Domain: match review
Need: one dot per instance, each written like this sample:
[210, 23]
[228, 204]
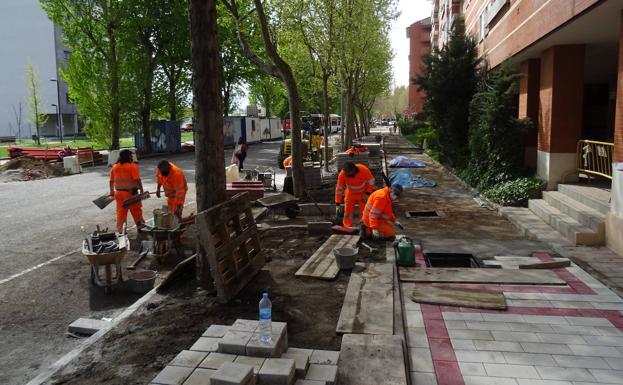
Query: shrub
[514, 192]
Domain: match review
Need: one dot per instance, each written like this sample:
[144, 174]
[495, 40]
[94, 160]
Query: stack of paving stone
[234, 355]
[313, 175]
[374, 163]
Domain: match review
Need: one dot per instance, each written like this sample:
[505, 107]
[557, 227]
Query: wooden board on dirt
[228, 237]
[369, 301]
[322, 263]
[479, 299]
[469, 275]
[372, 360]
[546, 265]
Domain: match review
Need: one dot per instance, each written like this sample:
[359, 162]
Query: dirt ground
[144, 343]
[28, 168]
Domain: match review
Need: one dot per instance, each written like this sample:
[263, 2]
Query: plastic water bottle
[266, 327]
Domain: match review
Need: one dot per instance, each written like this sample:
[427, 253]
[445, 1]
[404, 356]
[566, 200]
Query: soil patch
[28, 168]
[142, 345]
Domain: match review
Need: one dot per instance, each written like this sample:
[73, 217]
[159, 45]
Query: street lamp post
[56, 108]
[59, 116]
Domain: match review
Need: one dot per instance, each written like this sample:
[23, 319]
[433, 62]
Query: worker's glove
[158, 193]
[339, 210]
[376, 234]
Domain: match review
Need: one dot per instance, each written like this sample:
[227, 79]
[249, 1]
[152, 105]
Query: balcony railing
[595, 158]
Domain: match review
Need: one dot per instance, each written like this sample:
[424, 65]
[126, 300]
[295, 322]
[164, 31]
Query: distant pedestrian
[241, 152]
[125, 181]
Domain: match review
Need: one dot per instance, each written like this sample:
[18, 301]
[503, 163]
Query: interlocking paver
[529, 327]
[416, 338]
[515, 371]
[615, 363]
[479, 380]
[277, 371]
[216, 331]
[200, 376]
[324, 357]
[525, 381]
[580, 362]
[455, 324]
[498, 346]
[472, 369]
[327, 373]
[588, 321]
[421, 360]
[188, 358]
[216, 360]
[479, 356]
[529, 359]
[462, 316]
[470, 334]
[604, 340]
[206, 344]
[488, 325]
[463, 344]
[423, 378]
[504, 317]
[232, 374]
[244, 325]
[560, 338]
[595, 351]
[172, 375]
[564, 374]
[301, 361]
[547, 319]
[608, 376]
[234, 342]
[414, 319]
[514, 336]
[256, 362]
[257, 348]
[537, 347]
[608, 331]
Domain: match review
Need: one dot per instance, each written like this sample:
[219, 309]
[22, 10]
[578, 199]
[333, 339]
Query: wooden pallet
[369, 301]
[322, 263]
[229, 238]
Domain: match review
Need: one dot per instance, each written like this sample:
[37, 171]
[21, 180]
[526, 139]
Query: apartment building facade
[570, 53]
[28, 34]
[419, 37]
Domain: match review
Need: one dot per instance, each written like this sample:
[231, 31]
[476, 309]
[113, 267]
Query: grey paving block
[87, 326]
[301, 360]
[257, 348]
[216, 331]
[234, 342]
[244, 325]
[172, 375]
[200, 377]
[188, 358]
[324, 357]
[327, 373]
[232, 374]
[216, 360]
[309, 382]
[256, 362]
[206, 344]
[277, 371]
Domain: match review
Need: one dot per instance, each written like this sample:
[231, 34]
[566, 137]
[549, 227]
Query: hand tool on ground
[400, 226]
[370, 248]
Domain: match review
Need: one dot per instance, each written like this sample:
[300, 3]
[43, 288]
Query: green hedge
[514, 192]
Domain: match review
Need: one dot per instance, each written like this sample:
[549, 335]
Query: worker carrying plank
[172, 179]
[378, 215]
[354, 184]
[125, 181]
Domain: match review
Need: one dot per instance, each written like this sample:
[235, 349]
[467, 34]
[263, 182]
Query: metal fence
[595, 157]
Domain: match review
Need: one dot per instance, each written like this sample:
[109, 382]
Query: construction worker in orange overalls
[125, 181]
[354, 184]
[172, 179]
[287, 162]
[379, 213]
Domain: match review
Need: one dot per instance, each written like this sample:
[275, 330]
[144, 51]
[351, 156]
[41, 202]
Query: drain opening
[451, 260]
[424, 214]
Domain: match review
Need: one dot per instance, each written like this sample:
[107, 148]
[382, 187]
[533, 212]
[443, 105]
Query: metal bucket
[142, 281]
[345, 257]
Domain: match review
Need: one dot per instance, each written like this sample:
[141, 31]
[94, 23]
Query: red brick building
[418, 34]
[571, 55]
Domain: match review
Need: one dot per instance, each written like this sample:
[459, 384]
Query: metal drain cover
[425, 214]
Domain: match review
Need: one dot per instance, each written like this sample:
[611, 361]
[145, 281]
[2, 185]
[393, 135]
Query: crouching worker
[125, 181]
[378, 215]
[172, 179]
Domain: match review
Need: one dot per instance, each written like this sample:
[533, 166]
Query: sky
[410, 12]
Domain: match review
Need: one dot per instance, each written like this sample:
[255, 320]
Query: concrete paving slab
[301, 360]
[172, 375]
[232, 374]
[324, 357]
[234, 342]
[277, 371]
[87, 326]
[256, 362]
[327, 373]
[215, 360]
[244, 325]
[188, 358]
[200, 377]
[257, 348]
[216, 331]
[206, 344]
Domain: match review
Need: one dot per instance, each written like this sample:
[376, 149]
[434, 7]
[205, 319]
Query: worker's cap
[397, 189]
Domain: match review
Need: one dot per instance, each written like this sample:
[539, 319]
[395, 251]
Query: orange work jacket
[125, 176]
[379, 208]
[174, 184]
[362, 182]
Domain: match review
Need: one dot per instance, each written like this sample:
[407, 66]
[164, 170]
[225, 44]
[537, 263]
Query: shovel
[103, 201]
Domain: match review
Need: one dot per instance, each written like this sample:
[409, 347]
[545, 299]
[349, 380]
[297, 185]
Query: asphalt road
[44, 279]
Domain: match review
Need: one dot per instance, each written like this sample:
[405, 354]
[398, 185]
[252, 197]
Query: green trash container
[405, 252]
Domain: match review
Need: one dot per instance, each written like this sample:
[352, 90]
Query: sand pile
[28, 168]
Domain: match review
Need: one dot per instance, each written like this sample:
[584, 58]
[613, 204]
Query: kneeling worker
[173, 180]
[354, 184]
[379, 213]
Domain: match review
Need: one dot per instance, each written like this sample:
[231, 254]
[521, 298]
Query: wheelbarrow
[281, 202]
[166, 239]
[107, 260]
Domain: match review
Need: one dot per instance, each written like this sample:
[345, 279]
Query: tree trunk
[327, 118]
[226, 101]
[147, 96]
[208, 108]
[172, 102]
[298, 177]
[114, 88]
[350, 127]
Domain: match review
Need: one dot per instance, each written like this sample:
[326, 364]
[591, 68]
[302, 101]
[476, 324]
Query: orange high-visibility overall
[174, 186]
[379, 213]
[353, 191]
[287, 162]
[125, 178]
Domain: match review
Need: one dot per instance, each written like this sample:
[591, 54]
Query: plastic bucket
[345, 257]
[142, 281]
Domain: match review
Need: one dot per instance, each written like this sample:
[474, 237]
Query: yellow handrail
[594, 157]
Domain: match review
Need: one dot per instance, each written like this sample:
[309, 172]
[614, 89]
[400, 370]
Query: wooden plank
[322, 263]
[372, 360]
[479, 299]
[468, 275]
[546, 265]
[369, 301]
